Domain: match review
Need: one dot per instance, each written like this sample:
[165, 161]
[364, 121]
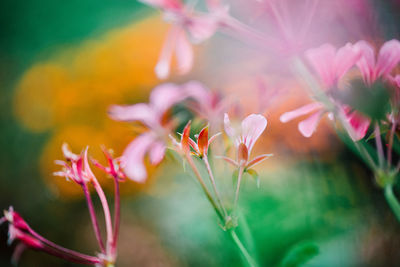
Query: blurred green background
[327, 199]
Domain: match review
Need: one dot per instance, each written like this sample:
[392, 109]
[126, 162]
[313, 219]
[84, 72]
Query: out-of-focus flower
[331, 65]
[154, 116]
[186, 23]
[244, 139]
[207, 104]
[372, 67]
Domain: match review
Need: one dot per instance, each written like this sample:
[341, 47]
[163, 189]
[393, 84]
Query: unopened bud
[243, 154]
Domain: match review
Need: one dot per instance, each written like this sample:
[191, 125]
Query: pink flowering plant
[216, 135]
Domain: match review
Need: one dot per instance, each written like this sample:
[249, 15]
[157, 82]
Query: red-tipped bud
[185, 139]
[15, 219]
[202, 141]
[30, 241]
[243, 154]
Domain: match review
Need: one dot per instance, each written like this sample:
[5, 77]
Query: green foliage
[300, 254]
[372, 101]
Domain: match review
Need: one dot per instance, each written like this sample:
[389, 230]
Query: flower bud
[243, 154]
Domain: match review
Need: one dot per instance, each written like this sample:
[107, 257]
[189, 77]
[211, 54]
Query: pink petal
[133, 157]
[388, 58]
[228, 127]
[198, 92]
[308, 126]
[288, 116]
[162, 68]
[164, 96]
[366, 63]
[202, 28]
[397, 80]
[184, 53]
[252, 127]
[322, 59]
[138, 112]
[157, 152]
[359, 125]
[345, 58]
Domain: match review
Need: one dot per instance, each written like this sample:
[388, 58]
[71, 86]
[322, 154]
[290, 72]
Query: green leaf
[300, 254]
[255, 176]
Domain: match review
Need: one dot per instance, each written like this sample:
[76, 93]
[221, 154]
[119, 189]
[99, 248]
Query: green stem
[249, 260]
[204, 187]
[212, 179]
[392, 201]
[240, 174]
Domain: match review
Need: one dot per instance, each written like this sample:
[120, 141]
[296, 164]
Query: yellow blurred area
[69, 94]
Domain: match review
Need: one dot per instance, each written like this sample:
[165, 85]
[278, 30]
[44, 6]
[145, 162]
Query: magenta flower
[186, 24]
[331, 65]
[387, 59]
[154, 116]
[244, 139]
[77, 169]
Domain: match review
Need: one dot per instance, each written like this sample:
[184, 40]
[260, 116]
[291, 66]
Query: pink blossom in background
[331, 65]
[186, 24]
[373, 67]
[153, 116]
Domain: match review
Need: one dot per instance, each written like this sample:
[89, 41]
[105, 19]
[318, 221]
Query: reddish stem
[93, 217]
[64, 253]
[106, 209]
[117, 214]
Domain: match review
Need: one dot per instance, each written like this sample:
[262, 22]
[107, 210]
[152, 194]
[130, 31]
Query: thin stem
[93, 217]
[392, 201]
[278, 18]
[106, 209]
[379, 147]
[309, 18]
[64, 251]
[204, 187]
[237, 29]
[117, 214]
[72, 258]
[390, 144]
[243, 250]
[240, 174]
[219, 199]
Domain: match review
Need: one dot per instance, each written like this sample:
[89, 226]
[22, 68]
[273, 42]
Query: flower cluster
[333, 78]
[77, 169]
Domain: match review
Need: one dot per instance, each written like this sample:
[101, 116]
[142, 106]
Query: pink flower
[75, 167]
[387, 59]
[186, 23]
[331, 65]
[113, 169]
[244, 139]
[153, 141]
